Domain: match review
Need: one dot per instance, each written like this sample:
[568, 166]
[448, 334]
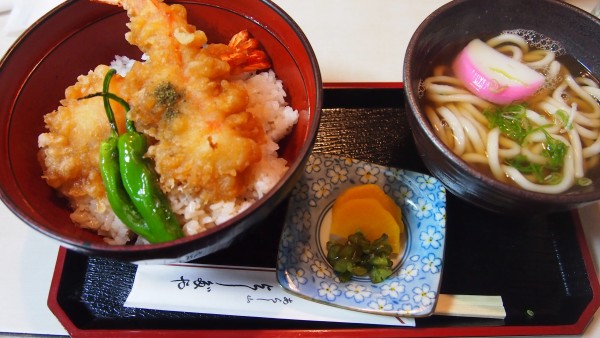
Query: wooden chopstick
[470, 306]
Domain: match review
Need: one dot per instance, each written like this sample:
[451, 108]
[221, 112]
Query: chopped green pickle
[357, 256]
[378, 275]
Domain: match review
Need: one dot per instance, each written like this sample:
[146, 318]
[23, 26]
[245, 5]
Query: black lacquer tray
[540, 265]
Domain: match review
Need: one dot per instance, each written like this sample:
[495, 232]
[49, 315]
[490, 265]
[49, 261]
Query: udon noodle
[565, 111]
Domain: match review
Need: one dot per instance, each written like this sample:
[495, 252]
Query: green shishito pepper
[140, 181]
[130, 181]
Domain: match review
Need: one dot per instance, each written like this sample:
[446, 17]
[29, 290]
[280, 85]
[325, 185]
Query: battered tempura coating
[69, 154]
[69, 151]
[204, 139]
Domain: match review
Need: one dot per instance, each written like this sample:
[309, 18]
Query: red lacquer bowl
[77, 36]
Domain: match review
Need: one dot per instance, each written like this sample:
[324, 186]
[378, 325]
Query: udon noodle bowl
[545, 143]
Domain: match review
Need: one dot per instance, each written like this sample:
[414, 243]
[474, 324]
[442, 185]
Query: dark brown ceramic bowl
[77, 36]
[460, 21]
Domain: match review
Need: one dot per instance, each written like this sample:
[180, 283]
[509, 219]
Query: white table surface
[347, 53]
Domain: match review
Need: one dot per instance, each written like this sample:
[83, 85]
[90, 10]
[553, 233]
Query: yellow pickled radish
[368, 216]
[372, 191]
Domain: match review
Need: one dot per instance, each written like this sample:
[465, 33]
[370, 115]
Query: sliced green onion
[584, 181]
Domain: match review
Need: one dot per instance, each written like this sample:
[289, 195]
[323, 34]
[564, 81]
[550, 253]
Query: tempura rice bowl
[77, 36]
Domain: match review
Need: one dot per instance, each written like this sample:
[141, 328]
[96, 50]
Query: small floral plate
[302, 267]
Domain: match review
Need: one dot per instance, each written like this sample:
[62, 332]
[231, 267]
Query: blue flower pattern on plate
[302, 267]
